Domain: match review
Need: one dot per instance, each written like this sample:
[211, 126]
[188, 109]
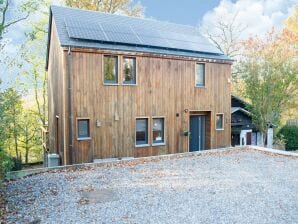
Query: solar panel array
[137, 32]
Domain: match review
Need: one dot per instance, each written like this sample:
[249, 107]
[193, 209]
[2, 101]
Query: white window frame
[200, 86]
[77, 128]
[164, 130]
[148, 134]
[122, 73]
[223, 124]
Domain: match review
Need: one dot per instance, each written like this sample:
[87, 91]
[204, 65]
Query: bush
[16, 164]
[290, 134]
[6, 164]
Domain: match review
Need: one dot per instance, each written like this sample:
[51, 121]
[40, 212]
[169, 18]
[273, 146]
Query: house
[243, 131]
[120, 86]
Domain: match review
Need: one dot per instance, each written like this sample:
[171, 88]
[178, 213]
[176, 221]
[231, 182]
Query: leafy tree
[30, 135]
[269, 72]
[12, 107]
[292, 23]
[126, 7]
[6, 164]
[2, 120]
[290, 35]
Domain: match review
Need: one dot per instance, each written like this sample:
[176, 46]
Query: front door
[197, 133]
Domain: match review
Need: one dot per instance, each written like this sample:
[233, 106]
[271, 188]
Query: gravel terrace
[237, 186]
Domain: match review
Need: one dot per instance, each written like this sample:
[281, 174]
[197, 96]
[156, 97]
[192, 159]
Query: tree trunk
[264, 137]
[26, 154]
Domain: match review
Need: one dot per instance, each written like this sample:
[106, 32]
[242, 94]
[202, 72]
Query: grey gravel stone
[235, 187]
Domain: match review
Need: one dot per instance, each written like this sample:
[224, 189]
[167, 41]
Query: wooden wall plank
[165, 86]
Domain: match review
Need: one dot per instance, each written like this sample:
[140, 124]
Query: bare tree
[225, 34]
[22, 13]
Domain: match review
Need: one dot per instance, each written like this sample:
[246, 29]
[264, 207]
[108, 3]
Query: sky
[258, 16]
[188, 12]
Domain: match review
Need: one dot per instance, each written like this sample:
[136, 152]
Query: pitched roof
[235, 109]
[90, 29]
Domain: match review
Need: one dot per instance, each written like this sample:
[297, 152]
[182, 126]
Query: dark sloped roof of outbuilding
[90, 29]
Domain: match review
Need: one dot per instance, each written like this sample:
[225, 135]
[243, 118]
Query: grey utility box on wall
[53, 160]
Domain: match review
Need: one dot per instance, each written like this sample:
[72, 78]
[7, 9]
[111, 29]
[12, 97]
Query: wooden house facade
[117, 88]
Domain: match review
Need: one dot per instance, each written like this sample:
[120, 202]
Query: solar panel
[126, 30]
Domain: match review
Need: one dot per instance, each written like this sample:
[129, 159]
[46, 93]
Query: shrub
[290, 134]
[16, 164]
[6, 164]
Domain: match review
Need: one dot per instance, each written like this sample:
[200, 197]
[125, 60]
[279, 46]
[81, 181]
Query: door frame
[208, 114]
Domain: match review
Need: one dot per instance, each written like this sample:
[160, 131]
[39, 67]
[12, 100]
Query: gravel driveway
[238, 186]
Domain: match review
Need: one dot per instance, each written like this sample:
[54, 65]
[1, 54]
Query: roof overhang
[235, 109]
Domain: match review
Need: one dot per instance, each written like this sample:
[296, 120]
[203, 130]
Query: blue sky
[188, 12]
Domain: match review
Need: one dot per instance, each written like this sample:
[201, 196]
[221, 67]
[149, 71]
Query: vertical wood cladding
[165, 87]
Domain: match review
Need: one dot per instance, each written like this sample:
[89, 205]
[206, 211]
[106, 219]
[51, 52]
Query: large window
[219, 122]
[129, 70]
[83, 129]
[110, 69]
[200, 75]
[142, 131]
[158, 130]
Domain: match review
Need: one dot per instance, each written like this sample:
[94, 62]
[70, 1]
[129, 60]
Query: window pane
[158, 130]
[111, 69]
[219, 121]
[129, 70]
[141, 131]
[200, 75]
[83, 128]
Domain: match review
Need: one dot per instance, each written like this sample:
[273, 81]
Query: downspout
[70, 116]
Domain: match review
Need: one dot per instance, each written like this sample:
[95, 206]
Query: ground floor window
[158, 130]
[219, 122]
[141, 131]
[83, 128]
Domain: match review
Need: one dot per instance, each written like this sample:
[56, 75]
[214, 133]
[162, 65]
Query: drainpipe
[70, 118]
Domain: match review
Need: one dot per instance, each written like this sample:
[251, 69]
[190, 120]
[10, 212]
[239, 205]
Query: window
[141, 131]
[110, 69]
[219, 122]
[83, 128]
[129, 70]
[200, 75]
[158, 130]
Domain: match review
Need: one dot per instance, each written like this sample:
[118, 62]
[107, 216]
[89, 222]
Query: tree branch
[18, 20]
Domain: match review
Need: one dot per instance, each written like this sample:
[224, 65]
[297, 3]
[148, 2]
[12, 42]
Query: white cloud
[259, 16]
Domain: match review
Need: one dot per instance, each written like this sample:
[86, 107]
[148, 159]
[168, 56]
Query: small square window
[110, 69]
[200, 75]
[129, 71]
[83, 128]
[158, 130]
[141, 131]
[219, 122]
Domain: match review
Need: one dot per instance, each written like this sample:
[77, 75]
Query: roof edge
[49, 38]
[227, 59]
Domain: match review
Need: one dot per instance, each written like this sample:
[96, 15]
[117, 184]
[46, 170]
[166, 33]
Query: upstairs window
[83, 129]
[142, 131]
[110, 69]
[200, 75]
[129, 71]
[219, 122]
[158, 130]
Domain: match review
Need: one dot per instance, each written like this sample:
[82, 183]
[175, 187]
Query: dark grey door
[197, 133]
